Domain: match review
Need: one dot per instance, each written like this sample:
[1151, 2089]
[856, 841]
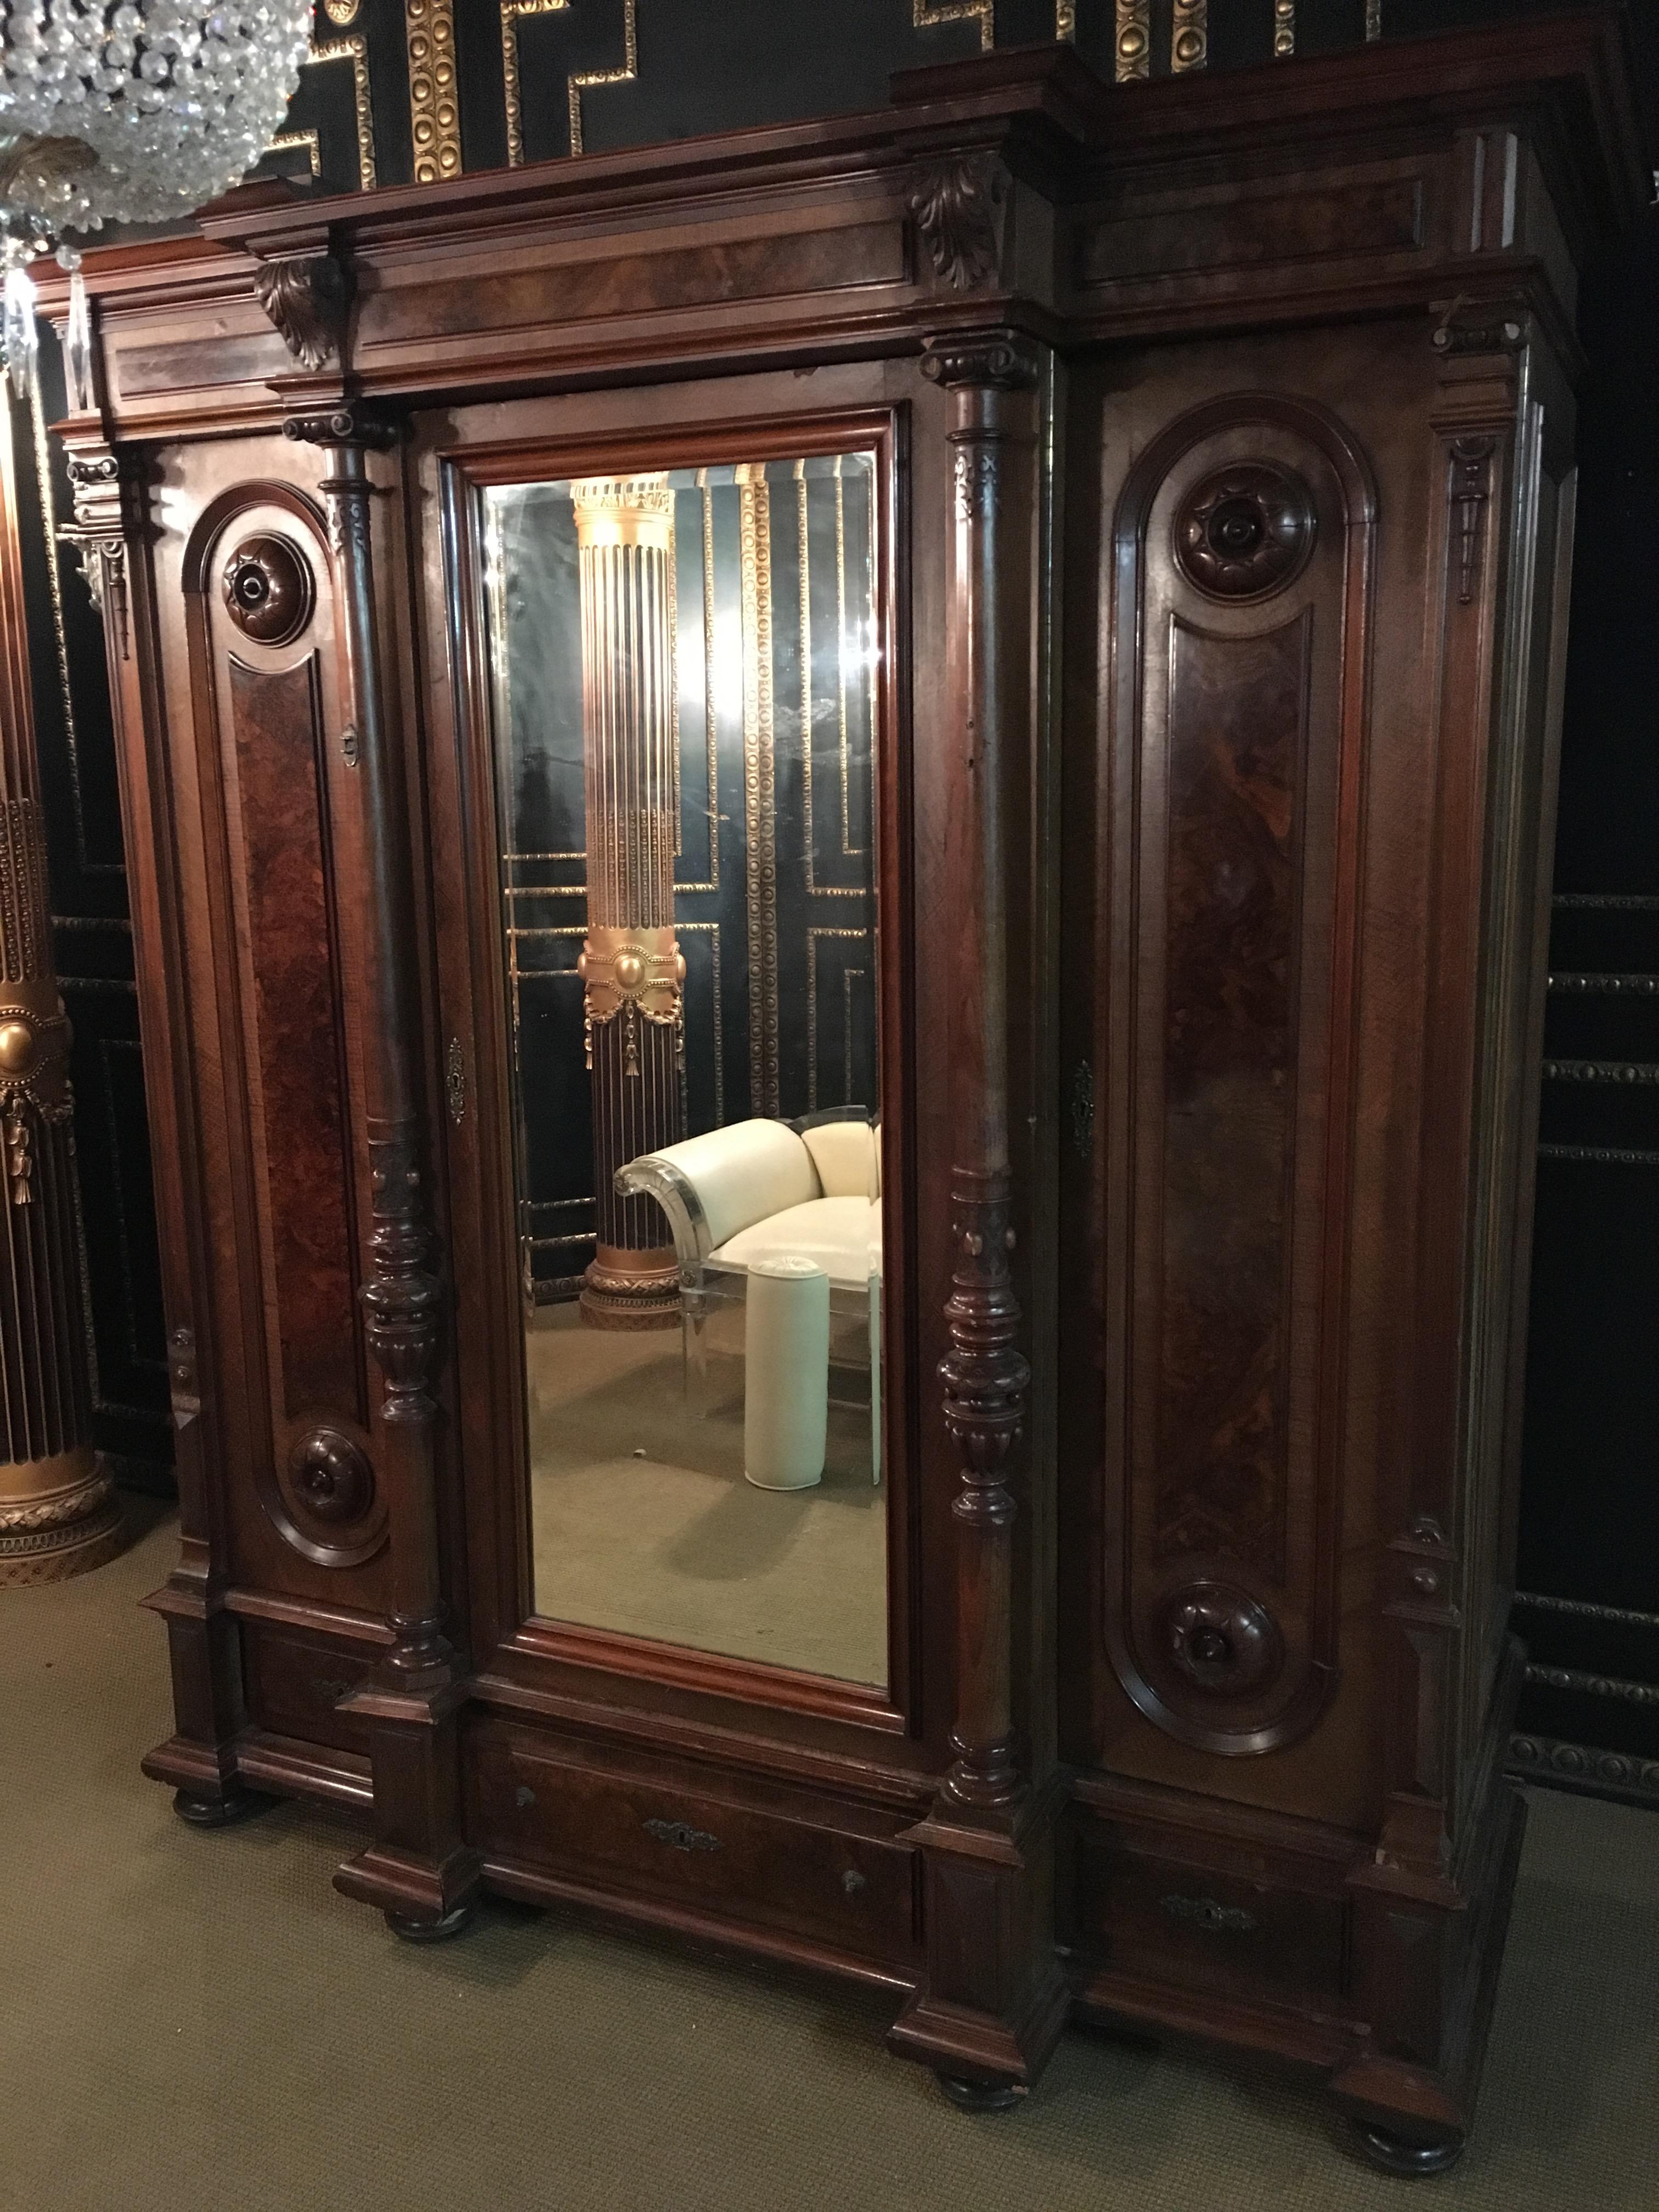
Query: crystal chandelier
[134, 114]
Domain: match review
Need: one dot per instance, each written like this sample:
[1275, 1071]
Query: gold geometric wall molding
[925, 15]
[354, 51]
[435, 115]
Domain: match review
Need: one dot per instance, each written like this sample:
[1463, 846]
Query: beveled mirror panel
[683, 669]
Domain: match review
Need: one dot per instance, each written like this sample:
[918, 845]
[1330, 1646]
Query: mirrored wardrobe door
[683, 693]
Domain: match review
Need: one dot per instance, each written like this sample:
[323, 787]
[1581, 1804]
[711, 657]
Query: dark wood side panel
[1222, 1036]
[280, 892]
[292, 952]
[593, 285]
[1230, 228]
[1237, 1930]
[294, 1681]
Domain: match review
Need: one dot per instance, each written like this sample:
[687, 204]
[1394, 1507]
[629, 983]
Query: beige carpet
[643, 1522]
[191, 2022]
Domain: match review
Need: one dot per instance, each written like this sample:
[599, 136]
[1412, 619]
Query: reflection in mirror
[683, 666]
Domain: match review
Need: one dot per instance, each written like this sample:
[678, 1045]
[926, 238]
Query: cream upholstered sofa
[758, 1190]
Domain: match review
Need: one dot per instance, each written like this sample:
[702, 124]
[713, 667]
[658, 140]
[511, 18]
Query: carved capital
[1480, 326]
[307, 300]
[350, 423]
[1002, 360]
[958, 205]
[102, 483]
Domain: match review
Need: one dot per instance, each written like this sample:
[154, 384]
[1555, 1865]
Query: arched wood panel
[258, 583]
[1241, 551]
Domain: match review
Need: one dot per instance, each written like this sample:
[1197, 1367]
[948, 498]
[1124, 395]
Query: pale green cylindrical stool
[786, 1409]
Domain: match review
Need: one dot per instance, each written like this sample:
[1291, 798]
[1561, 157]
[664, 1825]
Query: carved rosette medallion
[269, 589]
[330, 1479]
[1245, 532]
[1221, 1640]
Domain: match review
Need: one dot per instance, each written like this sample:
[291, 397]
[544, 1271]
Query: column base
[624, 1290]
[1405, 2155]
[981, 2096]
[58, 1517]
[223, 1812]
[432, 1931]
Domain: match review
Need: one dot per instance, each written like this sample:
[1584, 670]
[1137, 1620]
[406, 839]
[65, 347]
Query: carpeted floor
[643, 1522]
[192, 2021]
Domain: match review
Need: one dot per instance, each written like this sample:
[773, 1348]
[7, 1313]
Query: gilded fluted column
[57, 1511]
[632, 972]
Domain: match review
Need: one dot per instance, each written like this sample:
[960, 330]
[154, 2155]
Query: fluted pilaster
[58, 1511]
[631, 967]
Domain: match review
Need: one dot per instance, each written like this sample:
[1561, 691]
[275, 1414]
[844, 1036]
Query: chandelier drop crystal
[134, 114]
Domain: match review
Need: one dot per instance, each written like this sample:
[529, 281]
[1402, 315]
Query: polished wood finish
[1224, 444]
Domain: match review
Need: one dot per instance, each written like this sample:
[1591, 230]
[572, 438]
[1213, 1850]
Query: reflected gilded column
[58, 1511]
[632, 972]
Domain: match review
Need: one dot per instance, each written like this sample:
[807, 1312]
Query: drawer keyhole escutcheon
[1215, 1919]
[681, 1836]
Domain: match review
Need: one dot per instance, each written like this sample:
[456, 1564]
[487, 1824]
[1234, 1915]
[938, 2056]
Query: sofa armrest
[652, 1176]
[722, 1180]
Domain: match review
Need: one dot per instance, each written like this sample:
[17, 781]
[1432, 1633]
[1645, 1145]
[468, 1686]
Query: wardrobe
[993, 667]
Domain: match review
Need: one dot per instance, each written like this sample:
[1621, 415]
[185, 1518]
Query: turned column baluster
[984, 1373]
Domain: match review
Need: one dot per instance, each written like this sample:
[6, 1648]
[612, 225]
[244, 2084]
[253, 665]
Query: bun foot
[430, 1931]
[981, 2096]
[1399, 2154]
[219, 1812]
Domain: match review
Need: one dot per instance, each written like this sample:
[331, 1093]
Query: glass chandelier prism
[133, 113]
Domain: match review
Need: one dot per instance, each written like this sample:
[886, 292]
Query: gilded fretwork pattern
[489, 81]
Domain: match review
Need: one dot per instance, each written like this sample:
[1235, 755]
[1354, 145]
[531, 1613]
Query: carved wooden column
[993, 2003]
[58, 1511]
[632, 971]
[416, 1869]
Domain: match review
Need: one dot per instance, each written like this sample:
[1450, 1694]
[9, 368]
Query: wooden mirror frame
[513, 1642]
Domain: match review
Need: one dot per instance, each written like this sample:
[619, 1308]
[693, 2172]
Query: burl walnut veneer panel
[1239, 721]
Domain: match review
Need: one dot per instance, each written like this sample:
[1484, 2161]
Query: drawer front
[1168, 1920]
[810, 1867]
[293, 1682]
